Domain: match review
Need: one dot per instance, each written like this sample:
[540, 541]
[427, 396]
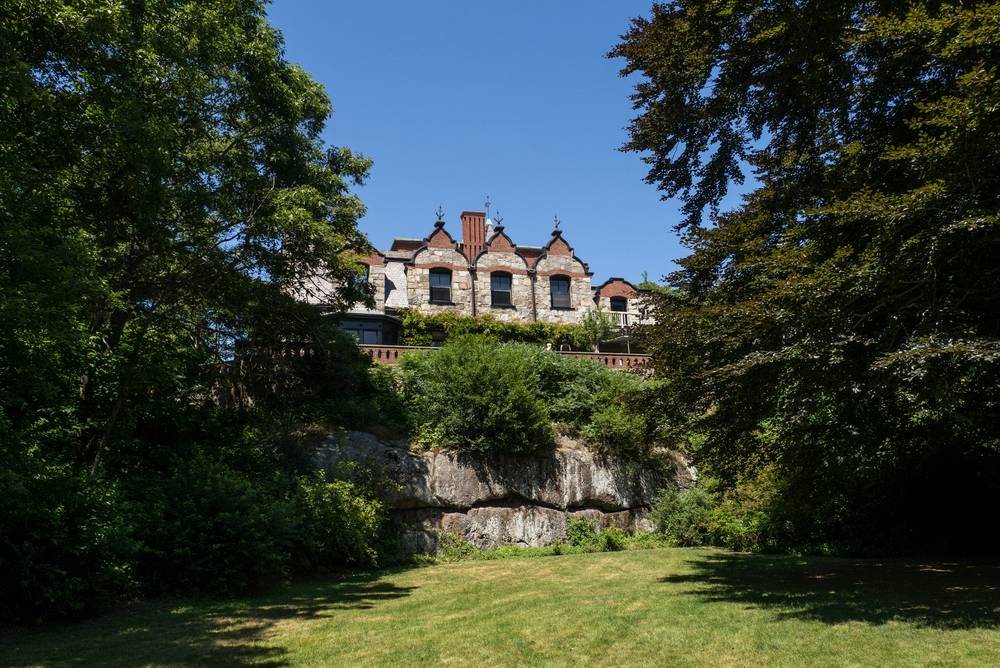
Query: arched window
[559, 289]
[500, 288]
[619, 304]
[440, 286]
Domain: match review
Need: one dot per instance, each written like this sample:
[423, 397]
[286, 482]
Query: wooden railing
[618, 361]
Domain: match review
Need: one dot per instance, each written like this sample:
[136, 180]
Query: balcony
[628, 318]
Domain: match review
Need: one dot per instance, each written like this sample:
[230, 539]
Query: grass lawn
[666, 607]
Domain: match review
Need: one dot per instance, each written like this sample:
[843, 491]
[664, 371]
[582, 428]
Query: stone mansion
[483, 273]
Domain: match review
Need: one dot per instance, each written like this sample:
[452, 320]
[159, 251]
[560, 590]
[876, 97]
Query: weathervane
[556, 222]
[487, 206]
[499, 219]
[440, 213]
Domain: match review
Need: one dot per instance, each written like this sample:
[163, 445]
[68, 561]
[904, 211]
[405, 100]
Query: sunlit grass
[654, 607]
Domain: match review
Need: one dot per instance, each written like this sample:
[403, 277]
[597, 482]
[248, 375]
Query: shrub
[597, 327]
[205, 527]
[614, 429]
[452, 547]
[63, 542]
[613, 539]
[740, 518]
[581, 532]
[475, 394]
[573, 388]
[684, 515]
[336, 524]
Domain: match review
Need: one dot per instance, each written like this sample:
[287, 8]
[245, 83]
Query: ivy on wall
[421, 329]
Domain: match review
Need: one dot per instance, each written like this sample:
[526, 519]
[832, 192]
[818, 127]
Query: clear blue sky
[455, 101]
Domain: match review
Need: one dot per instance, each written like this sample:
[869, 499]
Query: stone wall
[514, 265]
[493, 500]
[581, 295]
[418, 280]
[616, 287]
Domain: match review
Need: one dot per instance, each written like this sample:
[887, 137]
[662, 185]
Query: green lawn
[671, 607]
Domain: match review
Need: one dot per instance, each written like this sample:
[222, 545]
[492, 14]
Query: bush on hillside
[205, 527]
[64, 546]
[478, 394]
[336, 524]
[581, 532]
[743, 518]
[475, 394]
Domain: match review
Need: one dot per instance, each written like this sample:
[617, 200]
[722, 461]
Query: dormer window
[619, 304]
[500, 288]
[559, 289]
[440, 286]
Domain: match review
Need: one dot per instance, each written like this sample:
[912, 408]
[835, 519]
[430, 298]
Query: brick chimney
[473, 233]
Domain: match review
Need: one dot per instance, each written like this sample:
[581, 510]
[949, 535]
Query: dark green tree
[165, 194]
[843, 324]
[164, 191]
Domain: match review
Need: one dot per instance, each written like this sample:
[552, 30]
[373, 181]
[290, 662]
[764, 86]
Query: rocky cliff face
[493, 500]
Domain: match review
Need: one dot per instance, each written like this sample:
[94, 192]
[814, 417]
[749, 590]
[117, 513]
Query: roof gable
[440, 238]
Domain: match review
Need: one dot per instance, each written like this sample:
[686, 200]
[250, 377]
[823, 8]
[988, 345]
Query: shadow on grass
[225, 633]
[940, 594]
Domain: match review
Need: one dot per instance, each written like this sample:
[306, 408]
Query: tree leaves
[849, 308]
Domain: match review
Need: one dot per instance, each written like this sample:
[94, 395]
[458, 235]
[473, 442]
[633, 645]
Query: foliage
[165, 190]
[840, 326]
[580, 531]
[207, 528]
[747, 517]
[613, 539]
[64, 544]
[165, 198]
[337, 524]
[597, 327]
[684, 515]
[418, 329]
[474, 394]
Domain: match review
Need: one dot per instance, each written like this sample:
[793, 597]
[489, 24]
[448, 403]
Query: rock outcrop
[493, 500]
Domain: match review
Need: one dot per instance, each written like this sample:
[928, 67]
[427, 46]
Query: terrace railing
[617, 361]
[628, 318]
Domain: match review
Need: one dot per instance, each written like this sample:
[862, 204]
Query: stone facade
[617, 287]
[500, 256]
[401, 277]
[581, 295]
[418, 285]
[471, 287]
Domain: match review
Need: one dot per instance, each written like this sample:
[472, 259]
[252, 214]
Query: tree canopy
[843, 324]
[164, 190]
[165, 195]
